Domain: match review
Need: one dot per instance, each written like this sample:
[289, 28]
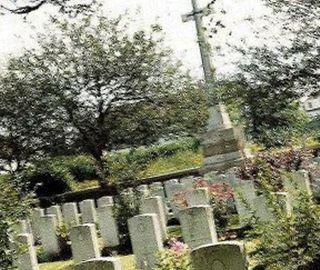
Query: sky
[17, 32]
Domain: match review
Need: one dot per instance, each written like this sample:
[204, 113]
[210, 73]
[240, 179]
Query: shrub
[221, 200]
[288, 242]
[127, 206]
[270, 165]
[175, 257]
[14, 205]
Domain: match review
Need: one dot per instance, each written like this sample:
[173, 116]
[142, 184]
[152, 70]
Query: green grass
[127, 263]
[180, 161]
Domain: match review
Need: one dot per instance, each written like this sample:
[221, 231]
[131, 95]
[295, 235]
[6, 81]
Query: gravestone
[300, 180]
[23, 227]
[154, 205]
[26, 254]
[157, 189]
[198, 227]
[100, 264]
[219, 256]
[262, 210]
[146, 240]
[188, 182]
[88, 211]
[108, 226]
[70, 214]
[84, 243]
[48, 235]
[172, 188]
[244, 199]
[199, 196]
[55, 210]
[143, 191]
[35, 218]
[106, 200]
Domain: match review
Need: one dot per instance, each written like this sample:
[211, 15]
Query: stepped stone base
[223, 145]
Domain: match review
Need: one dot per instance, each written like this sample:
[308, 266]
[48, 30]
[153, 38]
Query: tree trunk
[102, 172]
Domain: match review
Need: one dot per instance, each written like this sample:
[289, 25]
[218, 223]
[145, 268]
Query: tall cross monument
[223, 144]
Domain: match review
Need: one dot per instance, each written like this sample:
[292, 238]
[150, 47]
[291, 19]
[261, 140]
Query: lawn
[126, 261]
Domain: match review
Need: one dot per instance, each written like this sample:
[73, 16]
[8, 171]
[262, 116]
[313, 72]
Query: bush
[176, 257]
[14, 205]
[270, 165]
[127, 206]
[288, 242]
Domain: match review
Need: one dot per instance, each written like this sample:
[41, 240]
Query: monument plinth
[223, 144]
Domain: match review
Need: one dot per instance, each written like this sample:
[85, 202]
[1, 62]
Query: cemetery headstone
[146, 240]
[35, 218]
[198, 227]
[70, 214]
[55, 210]
[88, 211]
[26, 254]
[198, 196]
[108, 226]
[84, 243]
[106, 200]
[48, 235]
[154, 205]
[219, 256]
[100, 264]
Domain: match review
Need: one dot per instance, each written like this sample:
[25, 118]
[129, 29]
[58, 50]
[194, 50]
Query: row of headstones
[147, 237]
[153, 205]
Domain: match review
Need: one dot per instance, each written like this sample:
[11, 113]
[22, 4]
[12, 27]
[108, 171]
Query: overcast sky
[16, 32]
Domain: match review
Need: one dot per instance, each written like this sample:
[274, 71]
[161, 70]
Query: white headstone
[35, 218]
[106, 200]
[199, 196]
[198, 227]
[70, 214]
[146, 240]
[56, 210]
[154, 205]
[108, 226]
[84, 243]
[48, 235]
[219, 256]
[100, 264]
[26, 254]
[88, 212]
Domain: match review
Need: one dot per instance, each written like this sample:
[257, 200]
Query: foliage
[265, 105]
[176, 257]
[288, 242]
[221, 199]
[14, 205]
[126, 206]
[94, 88]
[25, 7]
[271, 164]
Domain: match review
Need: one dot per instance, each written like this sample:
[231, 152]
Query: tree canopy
[92, 87]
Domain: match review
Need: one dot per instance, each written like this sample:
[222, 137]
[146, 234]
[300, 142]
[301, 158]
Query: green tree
[94, 88]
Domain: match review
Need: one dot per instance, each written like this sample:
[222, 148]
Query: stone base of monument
[223, 144]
